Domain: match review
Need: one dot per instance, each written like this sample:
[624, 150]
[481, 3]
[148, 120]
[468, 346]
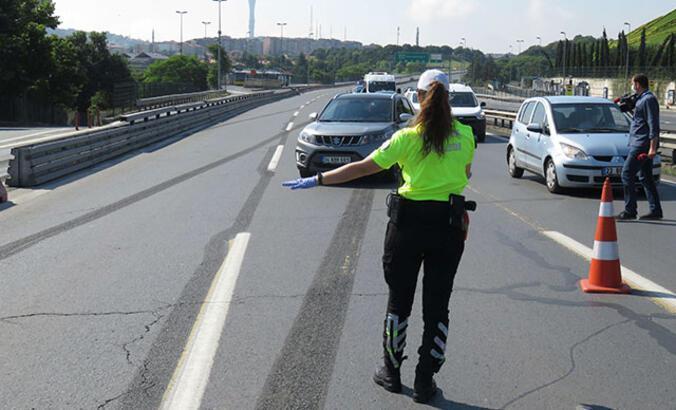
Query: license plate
[612, 171]
[336, 160]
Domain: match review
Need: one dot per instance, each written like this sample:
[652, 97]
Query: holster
[394, 207]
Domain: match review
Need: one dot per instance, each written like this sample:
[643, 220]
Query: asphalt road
[104, 275]
[14, 135]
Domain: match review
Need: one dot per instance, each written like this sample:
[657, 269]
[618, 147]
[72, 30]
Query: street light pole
[464, 42]
[565, 40]
[220, 74]
[539, 41]
[519, 42]
[627, 51]
[181, 13]
[281, 41]
[206, 23]
[398, 34]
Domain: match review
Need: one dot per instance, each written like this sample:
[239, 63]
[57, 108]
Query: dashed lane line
[275, 158]
[190, 379]
[289, 127]
[295, 114]
[659, 295]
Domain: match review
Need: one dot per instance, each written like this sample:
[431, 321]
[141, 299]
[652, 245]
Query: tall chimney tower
[311, 22]
[417, 37]
[252, 18]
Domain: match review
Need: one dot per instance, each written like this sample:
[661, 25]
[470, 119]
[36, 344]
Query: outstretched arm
[351, 172]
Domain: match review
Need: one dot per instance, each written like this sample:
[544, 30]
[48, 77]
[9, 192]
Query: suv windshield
[375, 86]
[463, 99]
[589, 118]
[358, 110]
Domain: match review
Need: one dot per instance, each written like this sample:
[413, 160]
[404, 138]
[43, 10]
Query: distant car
[574, 142]
[348, 129]
[466, 109]
[412, 96]
[379, 82]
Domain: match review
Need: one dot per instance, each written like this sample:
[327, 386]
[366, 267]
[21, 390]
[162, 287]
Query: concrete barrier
[41, 162]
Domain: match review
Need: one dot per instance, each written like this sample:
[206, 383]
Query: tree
[301, 69]
[642, 57]
[178, 70]
[25, 49]
[226, 65]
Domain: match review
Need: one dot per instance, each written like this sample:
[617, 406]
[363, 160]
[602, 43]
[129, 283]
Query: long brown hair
[435, 120]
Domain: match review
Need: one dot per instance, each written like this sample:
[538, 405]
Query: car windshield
[358, 110]
[375, 86]
[463, 99]
[589, 118]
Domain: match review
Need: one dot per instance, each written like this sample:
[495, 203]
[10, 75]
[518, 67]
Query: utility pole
[627, 51]
[281, 43]
[181, 13]
[220, 68]
[206, 23]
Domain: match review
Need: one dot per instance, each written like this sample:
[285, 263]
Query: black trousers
[423, 236]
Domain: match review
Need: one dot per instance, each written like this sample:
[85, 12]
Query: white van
[379, 82]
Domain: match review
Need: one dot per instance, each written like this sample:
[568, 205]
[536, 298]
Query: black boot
[388, 377]
[424, 387]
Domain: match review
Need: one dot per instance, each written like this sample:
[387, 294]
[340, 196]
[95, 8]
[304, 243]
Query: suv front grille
[339, 141]
[606, 158]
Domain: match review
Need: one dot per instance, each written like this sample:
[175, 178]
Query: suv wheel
[514, 170]
[551, 178]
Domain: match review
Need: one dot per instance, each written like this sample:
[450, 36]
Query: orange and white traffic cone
[605, 272]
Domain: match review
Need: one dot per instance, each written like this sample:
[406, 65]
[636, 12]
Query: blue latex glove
[302, 183]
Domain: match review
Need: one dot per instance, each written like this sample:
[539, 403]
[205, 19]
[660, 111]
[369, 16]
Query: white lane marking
[27, 196]
[302, 106]
[308, 103]
[668, 181]
[289, 127]
[295, 114]
[662, 296]
[191, 376]
[275, 158]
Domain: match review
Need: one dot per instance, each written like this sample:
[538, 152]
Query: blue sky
[490, 25]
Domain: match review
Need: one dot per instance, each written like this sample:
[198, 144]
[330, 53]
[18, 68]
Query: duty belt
[452, 211]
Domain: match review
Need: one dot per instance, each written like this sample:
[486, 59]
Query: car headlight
[374, 138]
[481, 115]
[307, 137]
[572, 152]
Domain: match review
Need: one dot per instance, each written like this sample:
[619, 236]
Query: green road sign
[413, 58]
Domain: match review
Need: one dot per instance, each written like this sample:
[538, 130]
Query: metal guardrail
[505, 119]
[38, 163]
[174, 99]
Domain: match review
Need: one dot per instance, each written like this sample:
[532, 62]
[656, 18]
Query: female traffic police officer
[428, 222]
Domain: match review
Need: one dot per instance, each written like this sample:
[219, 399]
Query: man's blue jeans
[644, 169]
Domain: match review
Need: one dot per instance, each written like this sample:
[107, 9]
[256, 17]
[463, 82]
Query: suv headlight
[307, 137]
[481, 115]
[374, 138]
[573, 152]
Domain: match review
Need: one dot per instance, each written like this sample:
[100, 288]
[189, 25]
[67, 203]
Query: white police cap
[430, 76]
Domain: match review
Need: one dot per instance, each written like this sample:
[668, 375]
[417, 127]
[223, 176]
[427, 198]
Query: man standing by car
[643, 142]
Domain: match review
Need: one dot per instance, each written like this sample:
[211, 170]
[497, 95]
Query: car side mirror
[398, 90]
[313, 116]
[405, 117]
[483, 104]
[535, 127]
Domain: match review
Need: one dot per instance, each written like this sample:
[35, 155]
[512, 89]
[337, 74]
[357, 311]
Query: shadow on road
[663, 222]
[441, 402]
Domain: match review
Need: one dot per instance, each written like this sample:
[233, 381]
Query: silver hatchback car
[350, 127]
[574, 142]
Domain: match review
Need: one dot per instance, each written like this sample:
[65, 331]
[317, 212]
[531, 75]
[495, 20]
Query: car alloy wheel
[514, 171]
[552, 179]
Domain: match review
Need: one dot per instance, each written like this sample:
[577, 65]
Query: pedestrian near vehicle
[428, 223]
[643, 143]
